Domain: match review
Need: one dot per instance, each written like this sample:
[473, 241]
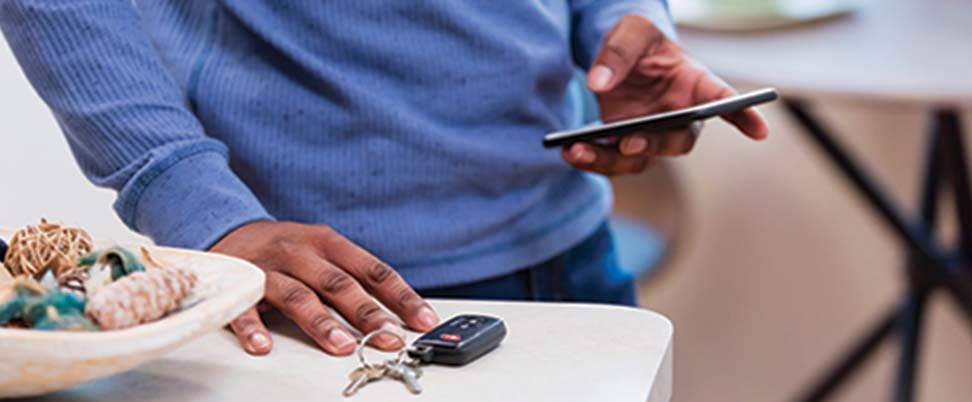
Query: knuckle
[367, 312]
[286, 245]
[322, 323]
[406, 297]
[296, 294]
[334, 281]
[630, 18]
[325, 231]
[245, 324]
[321, 235]
[379, 273]
[618, 51]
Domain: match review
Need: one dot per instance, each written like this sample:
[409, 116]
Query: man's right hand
[309, 267]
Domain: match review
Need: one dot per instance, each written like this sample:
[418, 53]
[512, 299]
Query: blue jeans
[588, 272]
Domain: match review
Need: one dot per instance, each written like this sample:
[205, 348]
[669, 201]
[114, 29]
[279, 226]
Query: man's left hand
[640, 71]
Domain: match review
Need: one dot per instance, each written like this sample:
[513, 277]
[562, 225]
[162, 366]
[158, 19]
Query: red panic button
[450, 337]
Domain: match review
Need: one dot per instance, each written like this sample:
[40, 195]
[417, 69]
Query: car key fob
[459, 340]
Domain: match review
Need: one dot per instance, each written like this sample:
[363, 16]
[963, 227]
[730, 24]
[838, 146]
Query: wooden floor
[780, 265]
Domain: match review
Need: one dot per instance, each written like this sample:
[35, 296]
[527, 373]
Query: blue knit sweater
[411, 127]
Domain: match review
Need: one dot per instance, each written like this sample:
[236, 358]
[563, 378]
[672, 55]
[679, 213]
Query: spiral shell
[139, 298]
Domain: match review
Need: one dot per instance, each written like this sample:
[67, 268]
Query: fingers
[382, 282]
[624, 46]
[633, 153]
[299, 303]
[605, 160]
[710, 88]
[253, 335]
[342, 292]
[669, 143]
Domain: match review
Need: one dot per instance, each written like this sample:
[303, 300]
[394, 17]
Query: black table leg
[949, 125]
[909, 329]
[920, 284]
[854, 357]
[928, 265]
[958, 282]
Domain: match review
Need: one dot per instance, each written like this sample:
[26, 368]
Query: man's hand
[640, 71]
[310, 266]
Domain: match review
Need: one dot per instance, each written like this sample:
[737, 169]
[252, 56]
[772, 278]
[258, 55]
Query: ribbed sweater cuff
[598, 17]
[190, 200]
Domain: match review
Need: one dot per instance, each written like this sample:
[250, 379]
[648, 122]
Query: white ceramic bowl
[37, 362]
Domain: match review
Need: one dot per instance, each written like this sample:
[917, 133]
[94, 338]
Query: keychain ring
[364, 342]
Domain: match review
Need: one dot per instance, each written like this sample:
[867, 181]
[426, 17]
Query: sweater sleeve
[126, 120]
[592, 19]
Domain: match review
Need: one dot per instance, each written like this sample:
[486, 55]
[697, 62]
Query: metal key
[405, 373]
[363, 375]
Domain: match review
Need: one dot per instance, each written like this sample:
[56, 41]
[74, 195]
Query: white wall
[37, 171]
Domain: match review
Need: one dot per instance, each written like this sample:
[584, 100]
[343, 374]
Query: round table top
[553, 352]
[914, 51]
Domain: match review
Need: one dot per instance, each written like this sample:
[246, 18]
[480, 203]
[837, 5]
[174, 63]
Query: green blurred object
[121, 261]
[67, 322]
[52, 307]
[11, 309]
[746, 15]
[16, 298]
[39, 308]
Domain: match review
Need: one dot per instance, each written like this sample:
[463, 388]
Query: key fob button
[459, 340]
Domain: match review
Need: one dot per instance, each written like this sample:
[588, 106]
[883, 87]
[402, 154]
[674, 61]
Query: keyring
[359, 350]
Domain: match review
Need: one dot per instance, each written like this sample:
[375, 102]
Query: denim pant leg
[588, 272]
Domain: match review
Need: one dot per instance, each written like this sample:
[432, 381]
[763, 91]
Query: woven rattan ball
[36, 249]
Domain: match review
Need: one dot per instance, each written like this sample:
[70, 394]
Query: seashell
[85, 279]
[139, 298]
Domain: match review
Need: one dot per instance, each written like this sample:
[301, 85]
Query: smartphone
[662, 121]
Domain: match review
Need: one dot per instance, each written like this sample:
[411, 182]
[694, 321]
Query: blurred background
[771, 266]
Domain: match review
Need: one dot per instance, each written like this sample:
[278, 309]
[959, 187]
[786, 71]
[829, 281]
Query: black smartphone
[662, 121]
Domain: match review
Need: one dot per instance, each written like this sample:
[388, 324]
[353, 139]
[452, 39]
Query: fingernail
[259, 341]
[583, 155]
[600, 76]
[636, 145]
[340, 338]
[427, 317]
[388, 340]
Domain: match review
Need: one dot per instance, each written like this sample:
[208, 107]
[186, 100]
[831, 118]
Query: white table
[553, 352]
[895, 51]
[912, 51]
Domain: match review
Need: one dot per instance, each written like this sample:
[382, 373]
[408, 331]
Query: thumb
[624, 46]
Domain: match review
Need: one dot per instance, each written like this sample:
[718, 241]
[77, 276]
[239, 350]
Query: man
[357, 150]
